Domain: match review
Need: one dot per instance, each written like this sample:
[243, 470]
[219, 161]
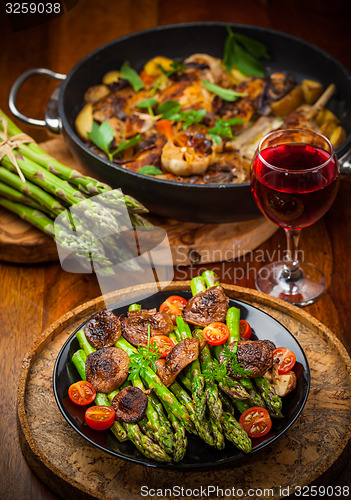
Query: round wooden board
[191, 243]
[74, 469]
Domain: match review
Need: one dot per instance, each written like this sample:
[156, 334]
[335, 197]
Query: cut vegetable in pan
[200, 118]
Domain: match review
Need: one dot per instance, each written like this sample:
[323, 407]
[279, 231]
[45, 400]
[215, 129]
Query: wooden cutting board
[191, 243]
[73, 468]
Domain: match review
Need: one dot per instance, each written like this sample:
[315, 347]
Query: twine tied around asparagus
[7, 144]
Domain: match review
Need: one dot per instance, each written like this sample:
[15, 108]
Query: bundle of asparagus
[38, 188]
[197, 402]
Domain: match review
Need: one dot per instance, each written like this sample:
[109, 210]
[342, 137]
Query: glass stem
[291, 266]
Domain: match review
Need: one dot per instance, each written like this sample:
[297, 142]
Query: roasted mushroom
[183, 353]
[255, 356]
[207, 307]
[103, 330]
[107, 368]
[130, 404]
[135, 326]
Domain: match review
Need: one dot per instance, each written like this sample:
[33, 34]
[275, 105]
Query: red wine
[299, 190]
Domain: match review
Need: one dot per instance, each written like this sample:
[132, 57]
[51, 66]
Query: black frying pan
[197, 203]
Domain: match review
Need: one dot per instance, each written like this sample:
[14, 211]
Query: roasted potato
[311, 90]
[152, 66]
[95, 93]
[338, 136]
[283, 384]
[111, 76]
[325, 115]
[328, 128]
[84, 121]
[289, 102]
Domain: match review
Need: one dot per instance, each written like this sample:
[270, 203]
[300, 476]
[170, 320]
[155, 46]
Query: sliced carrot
[146, 78]
[165, 127]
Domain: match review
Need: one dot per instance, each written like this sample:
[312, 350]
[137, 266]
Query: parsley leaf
[132, 76]
[229, 355]
[225, 94]
[149, 170]
[148, 104]
[144, 358]
[126, 144]
[222, 128]
[102, 136]
[244, 52]
[216, 373]
[169, 110]
[191, 117]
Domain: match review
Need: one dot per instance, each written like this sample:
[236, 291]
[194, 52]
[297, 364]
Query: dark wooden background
[33, 296]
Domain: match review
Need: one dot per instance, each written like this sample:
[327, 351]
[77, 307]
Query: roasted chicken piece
[103, 330]
[207, 307]
[107, 368]
[135, 326]
[254, 355]
[130, 404]
[180, 356]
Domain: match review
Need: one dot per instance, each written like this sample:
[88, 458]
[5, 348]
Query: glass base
[301, 288]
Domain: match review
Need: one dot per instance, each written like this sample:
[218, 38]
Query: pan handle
[345, 163]
[52, 122]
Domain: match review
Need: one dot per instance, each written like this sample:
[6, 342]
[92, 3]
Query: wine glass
[294, 180]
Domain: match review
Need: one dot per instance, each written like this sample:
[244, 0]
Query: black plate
[199, 455]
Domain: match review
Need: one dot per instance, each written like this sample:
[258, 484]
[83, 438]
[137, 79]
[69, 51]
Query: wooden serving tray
[191, 243]
[73, 468]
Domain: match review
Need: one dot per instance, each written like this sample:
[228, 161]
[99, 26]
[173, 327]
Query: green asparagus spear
[53, 206]
[194, 372]
[161, 435]
[12, 194]
[29, 214]
[273, 401]
[210, 278]
[235, 433]
[201, 426]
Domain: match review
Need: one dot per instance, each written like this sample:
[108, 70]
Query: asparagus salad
[154, 377]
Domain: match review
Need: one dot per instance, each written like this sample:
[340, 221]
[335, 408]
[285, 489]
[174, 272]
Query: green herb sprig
[148, 104]
[102, 136]
[144, 358]
[149, 170]
[222, 128]
[226, 94]
[230, 358]
[132, 76]
[244, 52]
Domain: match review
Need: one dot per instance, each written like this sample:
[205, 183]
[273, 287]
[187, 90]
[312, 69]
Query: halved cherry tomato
[287, 359]
[100, 417]
[244, 329]
[164, 344]
[174, 306]
[81, 393]
[216, 333]
[256, 421]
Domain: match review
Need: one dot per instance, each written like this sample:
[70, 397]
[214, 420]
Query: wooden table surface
[33, 296]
